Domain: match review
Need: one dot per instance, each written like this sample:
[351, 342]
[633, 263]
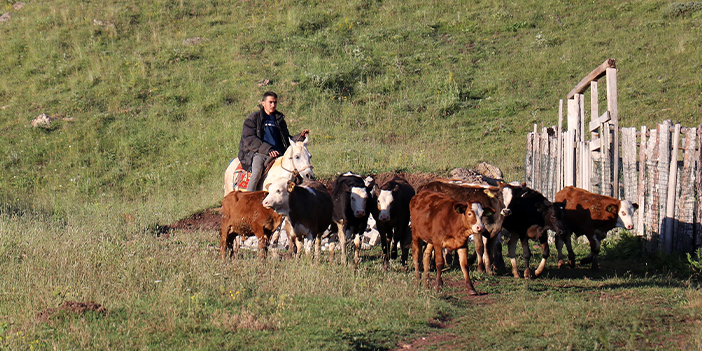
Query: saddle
[242, 177]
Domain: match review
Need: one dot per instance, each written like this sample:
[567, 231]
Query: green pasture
[148, 99]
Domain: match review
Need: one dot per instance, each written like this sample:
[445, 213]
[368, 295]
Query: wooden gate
[657, 168]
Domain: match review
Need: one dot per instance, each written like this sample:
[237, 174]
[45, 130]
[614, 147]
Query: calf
[443, 222]
[592, 215]
[244, 215]
[497, 198]
[392, 218]
[351, 194]
[531, 216]
[308, 207]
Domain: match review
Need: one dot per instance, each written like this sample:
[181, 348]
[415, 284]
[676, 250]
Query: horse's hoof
[472, 292]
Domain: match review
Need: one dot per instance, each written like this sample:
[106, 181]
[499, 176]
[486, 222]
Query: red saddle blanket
[241, 179]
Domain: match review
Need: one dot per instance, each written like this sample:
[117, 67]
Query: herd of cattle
[442, 215]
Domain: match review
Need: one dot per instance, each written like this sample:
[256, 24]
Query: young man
[265, 135]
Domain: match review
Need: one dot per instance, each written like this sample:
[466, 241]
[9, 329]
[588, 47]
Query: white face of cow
[301, 158]
[358, 201]
[478, 211]
[278, 197]
[385, 200]
[625, 218]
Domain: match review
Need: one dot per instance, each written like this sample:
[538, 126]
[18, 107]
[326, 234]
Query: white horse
[296, 158]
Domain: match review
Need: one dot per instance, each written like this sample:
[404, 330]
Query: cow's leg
[439, 260]
[512, 250]
[385, 245]
[594, 252]
[262, 246]
[341, 233]
[416, 251]
[357, 242]
[396, 235]
[565, 238]
[405, 243]
[479, 251]
[299, 246]
[526, 253]
[317, 246]
[223, 241]
[544, 255]
[463, 262]
[426, 261]
[236, 244]
[489, 254]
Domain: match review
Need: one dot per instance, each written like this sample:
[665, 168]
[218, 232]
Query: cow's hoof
[527, 274]
[472, 292]
[561, 264]
[516, 275]
[595, 268]
[586, 260]
[571, 263]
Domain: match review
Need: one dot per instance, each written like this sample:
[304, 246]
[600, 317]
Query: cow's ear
[267, 186]
[460, 208]
[397, 188]
[291, 186]
[489, 193]
[369, 181]
[612, 209]
[488, 211]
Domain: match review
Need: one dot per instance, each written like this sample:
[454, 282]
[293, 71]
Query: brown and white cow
[442, 222]
[497, 198]
[244, 215]
[592, 215]
[531, 215]
[392, 218]
[307, 206]
[353, 198]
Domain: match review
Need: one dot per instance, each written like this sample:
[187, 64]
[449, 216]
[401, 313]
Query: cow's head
[278, 198]
[554, 215]
[301, 158]
[625, 213]
[385, 200]
[472, 215]
[358, 196]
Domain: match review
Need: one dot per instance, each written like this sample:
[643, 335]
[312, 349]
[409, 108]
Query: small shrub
[695, 261]
[682, 9]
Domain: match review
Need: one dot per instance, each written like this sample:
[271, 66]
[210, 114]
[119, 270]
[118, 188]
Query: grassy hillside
[150, 95]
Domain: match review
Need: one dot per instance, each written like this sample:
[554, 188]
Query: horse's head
[301, 158]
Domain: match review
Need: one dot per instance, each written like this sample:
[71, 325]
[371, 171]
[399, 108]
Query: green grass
[146, 123]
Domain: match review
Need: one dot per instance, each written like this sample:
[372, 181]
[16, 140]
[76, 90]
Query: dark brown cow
[244, 215]
[531, 215]
[307, 206]
[497, 198]
[392, 218]
[592, 215]
[442, 222]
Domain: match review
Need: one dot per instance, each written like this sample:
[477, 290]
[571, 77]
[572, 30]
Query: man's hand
[305, 133]
[273, 153]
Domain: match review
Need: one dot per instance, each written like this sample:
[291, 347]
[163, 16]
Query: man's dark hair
[269, 93]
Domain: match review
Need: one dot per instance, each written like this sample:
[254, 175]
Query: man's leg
[256, 170]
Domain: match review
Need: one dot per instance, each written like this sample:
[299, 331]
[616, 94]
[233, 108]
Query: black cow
[353, 198]
[392, 217]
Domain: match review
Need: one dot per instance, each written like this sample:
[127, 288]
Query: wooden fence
[659, 168]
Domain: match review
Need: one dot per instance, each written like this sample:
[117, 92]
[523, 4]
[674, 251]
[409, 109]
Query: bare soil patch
[70, 307]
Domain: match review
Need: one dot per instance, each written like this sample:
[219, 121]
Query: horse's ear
[292, 142]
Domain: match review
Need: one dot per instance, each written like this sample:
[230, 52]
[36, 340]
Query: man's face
[269, 104]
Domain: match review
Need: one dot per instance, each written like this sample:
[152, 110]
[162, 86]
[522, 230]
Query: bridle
[294, 169]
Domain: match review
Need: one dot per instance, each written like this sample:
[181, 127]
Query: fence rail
[659, 168]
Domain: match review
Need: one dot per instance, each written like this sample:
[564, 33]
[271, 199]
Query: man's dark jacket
[252, 137]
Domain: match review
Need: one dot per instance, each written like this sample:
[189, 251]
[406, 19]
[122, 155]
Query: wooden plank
[651, 203]
[569, 168]
[544, 160]
[629, 179]
[537, 162]
[594, 106]
[698, 222]
[686, 207]
[612, 107]
[581, 115]
[672, 183]
[596, 74]
[597, 122]
[640, 228]
[529, 161]
[553, 144]
[606, 160]
[663, 166]
[572, 115]
[559, 161]
[595, 144]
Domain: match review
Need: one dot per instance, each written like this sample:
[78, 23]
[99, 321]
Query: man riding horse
[264, 137]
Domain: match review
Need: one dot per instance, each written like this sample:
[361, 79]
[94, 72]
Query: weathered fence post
[686, 208]
[642, 183]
